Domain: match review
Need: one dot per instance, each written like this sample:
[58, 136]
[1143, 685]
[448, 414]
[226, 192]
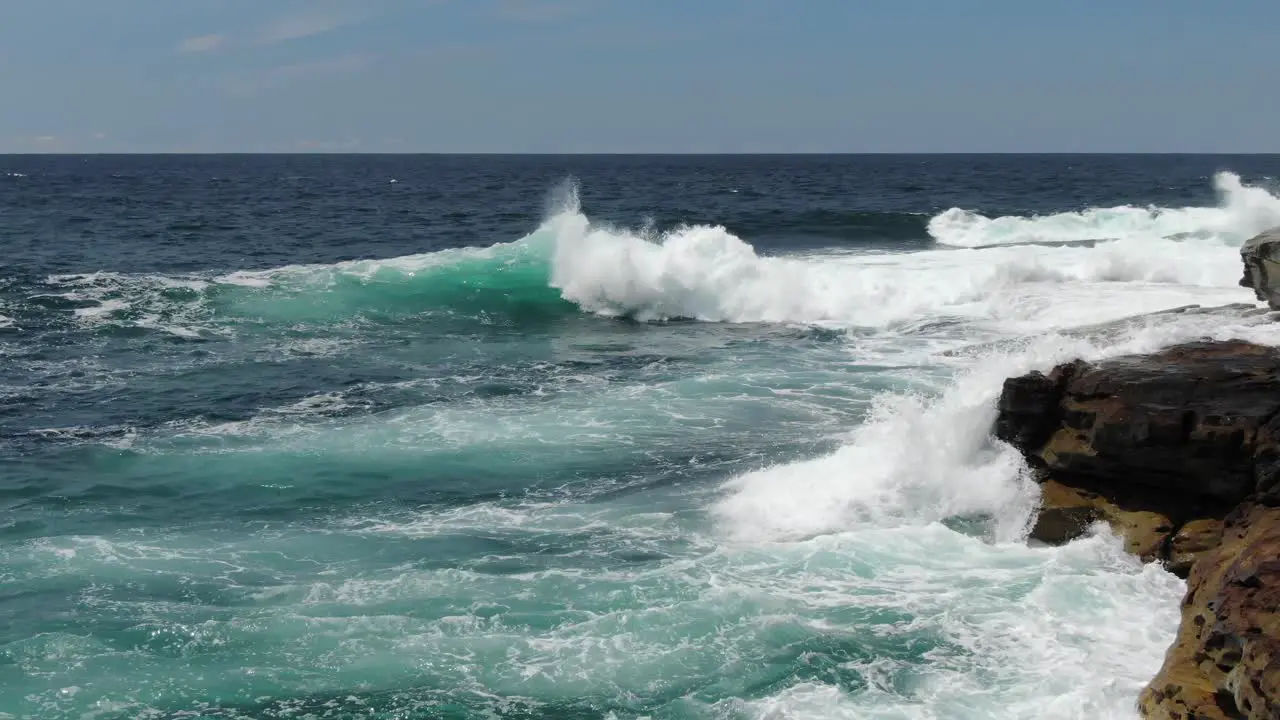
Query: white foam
[926, 459]
[321, 275]
[1244, 211]
[101, 311]
[154, 322]
[1081, 645]
[247, 278]
[1069, 633]
[706, 273]
[169, 304]
[796, 552]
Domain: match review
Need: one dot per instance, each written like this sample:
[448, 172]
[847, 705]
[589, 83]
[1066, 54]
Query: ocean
[576, 437]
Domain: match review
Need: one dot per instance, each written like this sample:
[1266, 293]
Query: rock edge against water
[1261, 257]
[1179, 452]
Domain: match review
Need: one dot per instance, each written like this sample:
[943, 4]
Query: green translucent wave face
[501, 281]
[505, 284]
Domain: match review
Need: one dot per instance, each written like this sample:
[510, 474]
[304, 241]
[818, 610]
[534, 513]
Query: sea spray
[706, 273]
[1243, 212]
[503, 481]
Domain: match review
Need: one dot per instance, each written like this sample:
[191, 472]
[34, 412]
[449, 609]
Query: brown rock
[1261, 256]
[1196, 421]
[1196, 425]
[1179, 451]
[1067, 512]
[1190, 542]
[1059, 525]
[1225, 662]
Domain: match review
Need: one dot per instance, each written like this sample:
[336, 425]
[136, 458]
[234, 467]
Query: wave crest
[1243, 212]
[706, 273]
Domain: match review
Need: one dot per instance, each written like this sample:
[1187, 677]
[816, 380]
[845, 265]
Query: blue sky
[638, 76]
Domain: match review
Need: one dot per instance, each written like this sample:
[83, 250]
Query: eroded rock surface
[1179, 451]
[1261, 256]
[1225, 662]
[1195, 424]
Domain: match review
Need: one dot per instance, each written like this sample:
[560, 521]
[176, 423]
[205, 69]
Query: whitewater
[637, 473]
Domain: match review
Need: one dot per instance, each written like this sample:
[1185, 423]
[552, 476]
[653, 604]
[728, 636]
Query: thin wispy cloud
[304, 25]
[43, 143]
[201, 43]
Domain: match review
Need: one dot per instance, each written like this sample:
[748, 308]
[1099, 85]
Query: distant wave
[699, 272]
[705, 272]
[1243, 212]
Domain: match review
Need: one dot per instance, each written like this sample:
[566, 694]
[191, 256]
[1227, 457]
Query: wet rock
[1030, 406]
[1225, 662]
[1061, 525]
[1192, 540]
[1261, 256]
[1194, 425]
[1179, 452]
[1067, 513]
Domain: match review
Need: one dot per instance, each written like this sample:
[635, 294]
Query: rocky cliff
[1162, 446]
[1179, 451]
[1261, 257]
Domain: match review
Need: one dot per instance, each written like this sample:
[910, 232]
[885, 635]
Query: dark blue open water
[573, 437]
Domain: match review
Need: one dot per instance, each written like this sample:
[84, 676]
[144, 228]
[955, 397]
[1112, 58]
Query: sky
[603, 76]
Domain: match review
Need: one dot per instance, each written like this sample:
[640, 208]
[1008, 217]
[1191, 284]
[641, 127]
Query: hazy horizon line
[484, 153]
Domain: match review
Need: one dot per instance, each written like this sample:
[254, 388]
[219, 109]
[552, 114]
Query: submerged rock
[1261, 256]
[1114, 330]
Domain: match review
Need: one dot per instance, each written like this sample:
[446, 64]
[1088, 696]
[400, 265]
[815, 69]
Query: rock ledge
[1179, 451]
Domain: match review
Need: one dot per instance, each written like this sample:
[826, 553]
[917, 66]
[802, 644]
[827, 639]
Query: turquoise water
[592, 470]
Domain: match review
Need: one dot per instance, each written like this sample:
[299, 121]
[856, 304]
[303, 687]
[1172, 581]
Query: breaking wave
[706, 273]
[802, 581]
[1243, 212]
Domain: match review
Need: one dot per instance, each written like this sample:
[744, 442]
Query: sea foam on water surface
[1080, 629]
[707, 273]
[826, 588]
[1243, 212]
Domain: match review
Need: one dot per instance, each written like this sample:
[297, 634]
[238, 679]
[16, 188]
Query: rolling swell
[440, 485]
[502, 283]
[694, 272]
[502, 280]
